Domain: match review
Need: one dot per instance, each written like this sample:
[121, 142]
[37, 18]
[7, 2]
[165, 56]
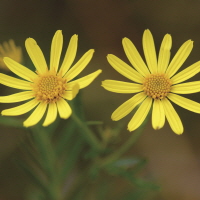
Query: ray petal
[127, 106]
[21, 96]
[19, 69]
[71, 94]
[140, 114]
[64, 109]
[70, 55]
[84, 81]
[172, 117]
[121, 87]
[134, 57]
[36, 55]
[158, 115]
[186, 73]
[80, 65]
[180, 57]
[2, 50]
[14, 82]
[19, 110]
[51, 114]
[56, 48]
[185, 103]
[124, 69]
[149, 51]
[36, 115]
[186, 88]
[164, 54]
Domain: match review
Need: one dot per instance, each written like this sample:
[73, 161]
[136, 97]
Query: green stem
[124, 148]
[87, 133]
[47, 155]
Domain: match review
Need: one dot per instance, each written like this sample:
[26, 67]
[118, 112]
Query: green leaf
[11, 121]
[29, 153]
[51, 129]
[126, 165]
[65, 137]
[126, 162]
[71, 159]
[40, 183]
[44, 147]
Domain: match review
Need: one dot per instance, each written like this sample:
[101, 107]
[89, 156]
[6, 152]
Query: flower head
[48, 88]
[9, 49]
[155, 83]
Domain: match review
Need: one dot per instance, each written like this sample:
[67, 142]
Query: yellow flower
[156, 84]
[9, 49]
[47, 87]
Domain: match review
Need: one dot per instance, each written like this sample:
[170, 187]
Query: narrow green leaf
[11, 121]
[71, 159]
[65, 137]
[45, 149]
[40, 183]
[126, 162]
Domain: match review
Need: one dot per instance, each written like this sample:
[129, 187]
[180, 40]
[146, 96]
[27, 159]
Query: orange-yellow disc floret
[49, 87]
[157, 86]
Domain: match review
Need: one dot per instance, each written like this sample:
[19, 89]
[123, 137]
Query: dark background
[101, 24]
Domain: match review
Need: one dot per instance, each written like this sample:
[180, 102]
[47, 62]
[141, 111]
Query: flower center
[157, 86]
[49, 87]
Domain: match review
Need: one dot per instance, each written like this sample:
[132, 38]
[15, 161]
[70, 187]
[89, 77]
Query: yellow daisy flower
[47, 87]
[9, 49]
[156, 84]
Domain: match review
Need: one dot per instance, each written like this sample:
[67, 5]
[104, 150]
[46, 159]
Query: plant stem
[124, 148]
[87, 133]
[47, 155]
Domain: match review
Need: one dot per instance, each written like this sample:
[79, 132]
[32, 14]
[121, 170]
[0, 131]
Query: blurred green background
[173, 161]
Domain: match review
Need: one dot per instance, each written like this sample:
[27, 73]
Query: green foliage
[78, 160]
[11, 122]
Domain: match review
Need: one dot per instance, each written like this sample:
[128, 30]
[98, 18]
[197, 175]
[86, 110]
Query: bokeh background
[173, 161]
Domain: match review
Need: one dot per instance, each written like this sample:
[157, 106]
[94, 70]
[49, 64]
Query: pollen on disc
[157, 86]
[49, 87]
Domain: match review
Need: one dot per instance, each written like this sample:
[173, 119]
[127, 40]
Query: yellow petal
[84, 81]
[19, 69]
[158, 115]
[185, 103]
[80, 65]
[149, 51]
[186, 73]
[140, 114]
[70, 55]
[186, 88]
[124, 69]
[127, 106]
[36, 55]
[2, 50]
[134, 57]
[21, 96]
[56, 48]
[14, 82]
[164, 54]
[51, 114]
[172, 117]
[121, 87]
[36, 115]
[180, 57]
[71, 94]
[19, 110]
[12, 45]
[64, 109]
